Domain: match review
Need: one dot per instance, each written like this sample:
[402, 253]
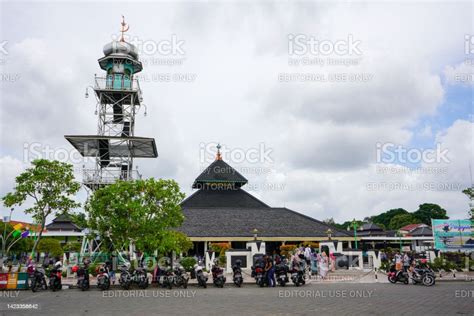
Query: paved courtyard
[447, 298]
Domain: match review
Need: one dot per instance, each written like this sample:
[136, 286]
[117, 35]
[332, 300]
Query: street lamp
[354, 225]
[6, 220]
[329, 232]
[255, 234]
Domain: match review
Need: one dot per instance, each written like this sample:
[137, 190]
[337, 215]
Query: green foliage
[72, 247]
[174, 241]
[144, 212]
[188, 263]
[50, 246]
[385, 265]
[401, 220]
[385, 217]
[469, 192]
[93, 269]
[349, 224]
[79, 219]
[49, 185]
[428, 211]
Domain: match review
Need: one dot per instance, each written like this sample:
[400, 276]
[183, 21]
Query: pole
[355, 233]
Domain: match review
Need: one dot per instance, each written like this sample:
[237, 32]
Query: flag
[18, 226]
[16, 233]
[25, 234]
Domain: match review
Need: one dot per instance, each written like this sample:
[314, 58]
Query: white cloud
[323, 135]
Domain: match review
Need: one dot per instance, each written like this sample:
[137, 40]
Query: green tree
[401, 220]
[385, 217]
[79, 219]
[142, 212]
[329, 221]
[50, 246]
[428, 211]
[50, 185]
[470, 194]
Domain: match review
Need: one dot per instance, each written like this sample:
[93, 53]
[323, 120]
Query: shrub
[188, 263]
[50, 246]
[72, 247]
[385, 266]
[220, 248]
[285, 250]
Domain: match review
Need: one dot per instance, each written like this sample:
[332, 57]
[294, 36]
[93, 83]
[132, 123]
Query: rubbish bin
[12, 280]
[22, 282]
[3, 280]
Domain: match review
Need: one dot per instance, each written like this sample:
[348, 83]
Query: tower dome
[118, 48]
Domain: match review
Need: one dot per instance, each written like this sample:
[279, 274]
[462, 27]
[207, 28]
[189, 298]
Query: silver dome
[121, 48]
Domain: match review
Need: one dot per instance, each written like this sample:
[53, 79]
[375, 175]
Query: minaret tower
[119, 99]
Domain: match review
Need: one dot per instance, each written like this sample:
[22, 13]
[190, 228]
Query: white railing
[118, 82]
[108, 176]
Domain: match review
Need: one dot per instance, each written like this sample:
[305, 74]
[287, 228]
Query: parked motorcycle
[125, 276]
[237, 273]
[103, 278]
[259, 274]
[422, 274]
[181, 278]
[36, 277]
[139, 277]
[297, 274]
[164, 276]
[218, 275]
[281, 273]
[201, 276]
[55, 277]
[395, 275]
[83, 277]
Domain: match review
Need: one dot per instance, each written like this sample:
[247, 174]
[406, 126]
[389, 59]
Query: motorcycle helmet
[58, 265]
[74, 269]
[238, 262]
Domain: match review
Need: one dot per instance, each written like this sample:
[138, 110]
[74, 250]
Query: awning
[115, 146]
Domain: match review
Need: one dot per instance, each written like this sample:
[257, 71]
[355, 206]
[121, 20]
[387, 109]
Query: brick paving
[446, 298]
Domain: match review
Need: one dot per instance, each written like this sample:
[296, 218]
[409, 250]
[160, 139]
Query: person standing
[270, 271]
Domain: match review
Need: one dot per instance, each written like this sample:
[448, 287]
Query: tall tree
[385, 217]
[50, 186]
[401, 220]
[142, 212]
[428, 211]
[470, 194]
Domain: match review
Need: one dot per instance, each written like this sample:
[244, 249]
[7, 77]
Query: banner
[453, 234]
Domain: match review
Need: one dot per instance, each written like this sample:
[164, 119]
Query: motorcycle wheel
[282, 283]
[185, 284]
[405, 281]
[392, 279]
[33, 285]
[428, 280]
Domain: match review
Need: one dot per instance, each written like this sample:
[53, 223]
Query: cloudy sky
[316, 103]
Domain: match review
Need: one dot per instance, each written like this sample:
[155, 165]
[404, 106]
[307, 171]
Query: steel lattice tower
[119, 99]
